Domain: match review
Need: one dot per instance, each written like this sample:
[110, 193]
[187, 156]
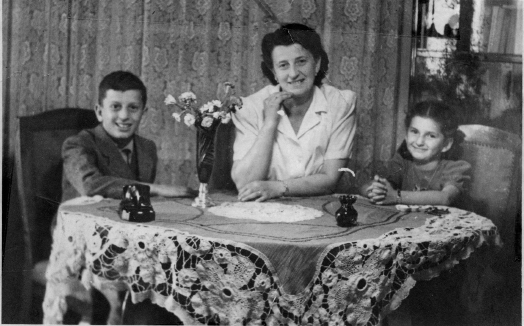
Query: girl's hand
[383, 194]
[377, 188]
[261, 191]
[273, 103]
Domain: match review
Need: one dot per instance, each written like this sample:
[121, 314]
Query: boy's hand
[172, 191]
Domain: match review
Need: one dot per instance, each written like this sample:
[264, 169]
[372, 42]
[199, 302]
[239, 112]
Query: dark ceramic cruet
[346, 215]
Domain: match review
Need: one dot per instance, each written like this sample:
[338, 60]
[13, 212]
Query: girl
[419, 173]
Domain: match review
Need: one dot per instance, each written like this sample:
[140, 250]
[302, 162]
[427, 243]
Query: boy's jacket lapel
[109, 151]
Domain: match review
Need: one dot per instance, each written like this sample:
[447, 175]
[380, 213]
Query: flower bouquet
[206, 119]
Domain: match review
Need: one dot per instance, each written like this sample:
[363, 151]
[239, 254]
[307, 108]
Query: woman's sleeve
[457, 173]
[344, 126]
[246, 127]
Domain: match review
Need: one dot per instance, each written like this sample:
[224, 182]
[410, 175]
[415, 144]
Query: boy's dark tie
[127, 153]
[131, 161]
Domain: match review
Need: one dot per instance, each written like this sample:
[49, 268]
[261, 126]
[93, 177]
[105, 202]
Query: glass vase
[205, 157]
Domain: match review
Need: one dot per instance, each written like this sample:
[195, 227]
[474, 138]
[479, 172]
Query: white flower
[216, 115]
[226, 118]
[216, 103]
[208, 107]
[189, 119]
[187, 97]
[207, 122]
[170, 100]
[176, 115]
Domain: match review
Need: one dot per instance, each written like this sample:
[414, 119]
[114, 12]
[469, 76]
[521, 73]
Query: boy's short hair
[121, 81]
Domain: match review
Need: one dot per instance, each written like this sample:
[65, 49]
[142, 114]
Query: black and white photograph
[262, 162]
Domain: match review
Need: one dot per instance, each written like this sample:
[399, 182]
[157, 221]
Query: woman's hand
[273, 103]
[381, 192]
[261, 191]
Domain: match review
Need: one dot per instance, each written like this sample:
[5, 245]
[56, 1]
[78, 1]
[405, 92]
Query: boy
[100, 161]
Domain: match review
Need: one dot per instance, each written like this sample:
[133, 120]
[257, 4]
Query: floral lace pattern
[210, 281]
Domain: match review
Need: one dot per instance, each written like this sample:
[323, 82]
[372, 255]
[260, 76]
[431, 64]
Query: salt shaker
[346, 215]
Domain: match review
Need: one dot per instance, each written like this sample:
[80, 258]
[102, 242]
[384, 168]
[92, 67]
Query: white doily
[266, 212]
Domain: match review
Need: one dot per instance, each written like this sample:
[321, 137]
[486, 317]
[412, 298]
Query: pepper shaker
[346, 215]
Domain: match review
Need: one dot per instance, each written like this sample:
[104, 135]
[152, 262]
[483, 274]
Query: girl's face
[295, 69]
[425, 140]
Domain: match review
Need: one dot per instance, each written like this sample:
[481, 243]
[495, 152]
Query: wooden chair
[495, 188]
[493, 280]
[39, 175]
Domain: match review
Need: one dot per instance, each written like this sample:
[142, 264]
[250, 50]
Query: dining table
[212, 268]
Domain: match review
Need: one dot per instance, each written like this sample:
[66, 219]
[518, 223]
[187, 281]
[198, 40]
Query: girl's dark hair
[439, 112]
[444, 116]
[294, 34]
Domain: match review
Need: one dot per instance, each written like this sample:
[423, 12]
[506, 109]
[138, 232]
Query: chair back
[39, 171]
[495, 188]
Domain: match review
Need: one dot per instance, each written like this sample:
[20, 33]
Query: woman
[293, 136]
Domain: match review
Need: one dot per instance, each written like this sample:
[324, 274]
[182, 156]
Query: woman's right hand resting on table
[262, 190]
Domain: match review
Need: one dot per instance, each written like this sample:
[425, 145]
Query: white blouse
[326, 133]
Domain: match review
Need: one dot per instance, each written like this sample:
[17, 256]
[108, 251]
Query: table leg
[54, 306]
[59, 296]
[114, 297]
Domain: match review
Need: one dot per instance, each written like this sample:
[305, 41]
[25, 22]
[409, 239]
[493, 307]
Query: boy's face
[120, 113]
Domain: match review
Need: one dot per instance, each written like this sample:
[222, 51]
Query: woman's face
[295, 69]
[425, 140]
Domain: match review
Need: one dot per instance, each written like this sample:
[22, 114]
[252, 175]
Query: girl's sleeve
[395, 171]
[457, 173]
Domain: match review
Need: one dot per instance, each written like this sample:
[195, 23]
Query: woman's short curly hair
[289, 34]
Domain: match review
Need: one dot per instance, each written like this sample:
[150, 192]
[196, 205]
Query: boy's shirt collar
[129, 145]
[127, 155]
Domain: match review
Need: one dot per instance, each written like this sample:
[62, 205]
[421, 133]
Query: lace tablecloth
[209, 269]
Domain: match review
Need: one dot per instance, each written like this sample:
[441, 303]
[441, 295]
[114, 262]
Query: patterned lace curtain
[56, 52]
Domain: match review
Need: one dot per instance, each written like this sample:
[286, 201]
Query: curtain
[57, 51]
